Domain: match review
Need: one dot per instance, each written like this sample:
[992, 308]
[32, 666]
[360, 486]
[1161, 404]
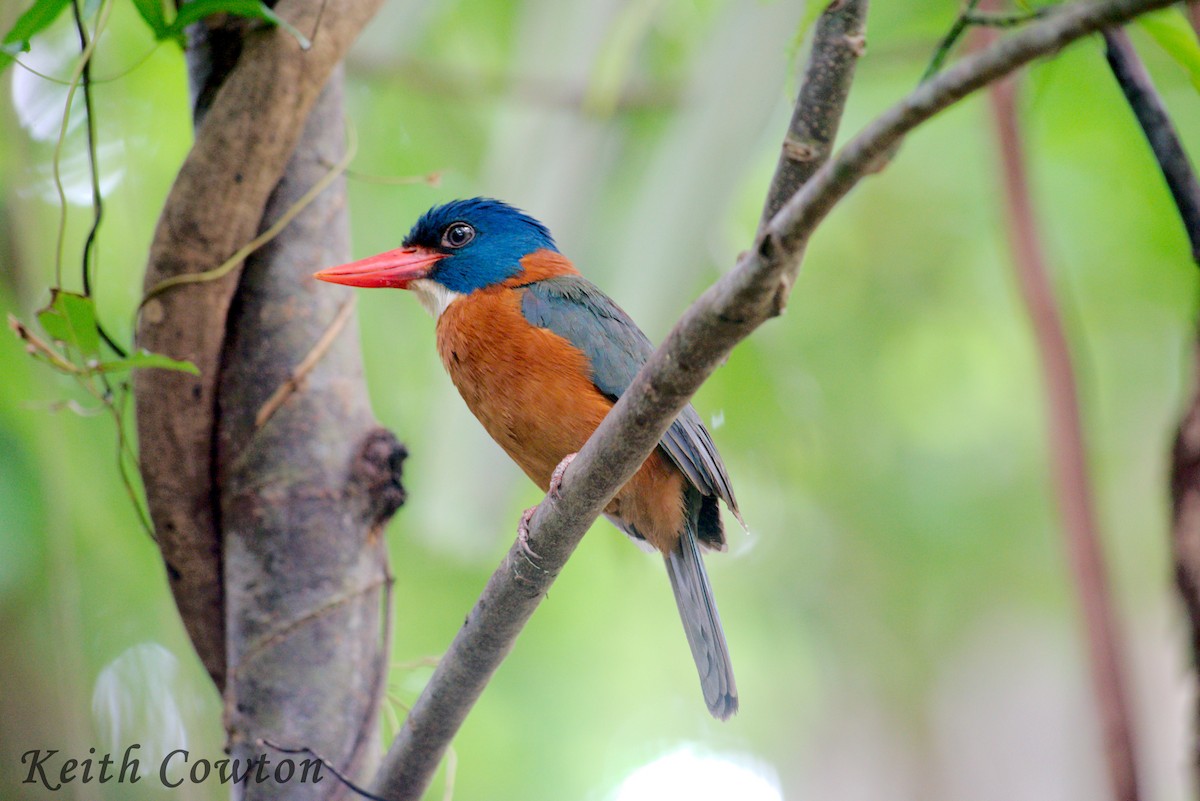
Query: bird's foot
[556, 477]
[523, 533]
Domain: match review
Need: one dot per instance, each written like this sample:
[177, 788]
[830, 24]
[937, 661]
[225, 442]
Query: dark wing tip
[723, 707]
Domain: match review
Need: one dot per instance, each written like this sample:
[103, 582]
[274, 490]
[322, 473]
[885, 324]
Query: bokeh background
[900, 614]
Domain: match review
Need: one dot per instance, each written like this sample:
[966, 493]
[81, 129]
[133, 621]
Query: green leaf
[71, 319]
[197, 10]
[1174, 34]
[152, 12]
[141, 359]
[36, 19]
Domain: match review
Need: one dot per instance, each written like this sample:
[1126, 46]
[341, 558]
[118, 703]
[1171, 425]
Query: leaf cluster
[43, 13]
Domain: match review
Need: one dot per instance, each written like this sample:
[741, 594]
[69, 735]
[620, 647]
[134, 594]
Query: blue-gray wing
[576, 310]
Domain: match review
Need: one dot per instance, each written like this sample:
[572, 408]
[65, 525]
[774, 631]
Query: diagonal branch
[753, 292]
[1151, 114]
[839, 39]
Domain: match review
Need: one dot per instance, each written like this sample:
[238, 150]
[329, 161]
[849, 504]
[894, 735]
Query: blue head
[453, 250]
[481, 242]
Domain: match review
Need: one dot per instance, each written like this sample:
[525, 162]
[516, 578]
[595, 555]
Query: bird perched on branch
[540, 355]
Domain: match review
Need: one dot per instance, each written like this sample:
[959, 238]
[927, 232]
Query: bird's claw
[552, 492]
[556, 478]
[523, 533]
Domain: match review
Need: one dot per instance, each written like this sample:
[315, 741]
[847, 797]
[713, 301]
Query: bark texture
[251, 119]
[303, 497]
[1185, 540]
[269, 503]
[839, 40]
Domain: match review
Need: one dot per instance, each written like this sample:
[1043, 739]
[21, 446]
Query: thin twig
[89, 245]
[94, 81]
[38, 348]
[281, 632]
[433, 179]
[1160, 132]
[839, 40]
[56, 161]
[1068, 455]
[996, 19]
[419, 662]
[949, 40]
[266, 236]
[970, 17]
[85, 80]
[126, 457]
[337, 774]
[391, 718]
[285, 390]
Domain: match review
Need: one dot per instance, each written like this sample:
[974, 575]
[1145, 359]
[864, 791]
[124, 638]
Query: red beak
[396, 268]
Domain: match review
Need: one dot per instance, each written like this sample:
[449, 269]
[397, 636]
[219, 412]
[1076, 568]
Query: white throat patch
[433, 296]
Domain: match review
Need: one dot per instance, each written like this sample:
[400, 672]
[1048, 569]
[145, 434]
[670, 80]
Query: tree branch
[251, 122]
[839, 39]
[1151, 113]
[1156, 124]
[1068, 455]
[305, 494]
[1185, 507]
[754, 291]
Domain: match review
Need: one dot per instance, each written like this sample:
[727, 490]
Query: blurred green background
[900, 615]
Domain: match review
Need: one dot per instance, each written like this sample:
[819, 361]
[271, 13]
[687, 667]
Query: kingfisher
[540, 355]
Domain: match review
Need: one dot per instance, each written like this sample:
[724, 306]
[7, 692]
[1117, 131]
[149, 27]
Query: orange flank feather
[531, 389]
[538, 354]
[539, 265]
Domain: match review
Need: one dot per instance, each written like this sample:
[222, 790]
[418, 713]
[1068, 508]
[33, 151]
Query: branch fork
[755, 290]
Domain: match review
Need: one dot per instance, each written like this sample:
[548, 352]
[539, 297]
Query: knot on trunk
[377, 471]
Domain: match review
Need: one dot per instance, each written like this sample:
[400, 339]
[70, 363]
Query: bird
[540, 355]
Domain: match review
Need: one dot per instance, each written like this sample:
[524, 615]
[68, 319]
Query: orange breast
[532, 391]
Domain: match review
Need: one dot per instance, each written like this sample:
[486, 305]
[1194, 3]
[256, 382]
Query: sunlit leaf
[1171, 30]
[142, 359]
[152, 12]
[71, 319]
[197, 10]
[36, 19]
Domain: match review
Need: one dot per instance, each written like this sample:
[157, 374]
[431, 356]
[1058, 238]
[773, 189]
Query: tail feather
[702, 624]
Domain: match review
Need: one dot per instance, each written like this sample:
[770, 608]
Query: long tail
[702, 624]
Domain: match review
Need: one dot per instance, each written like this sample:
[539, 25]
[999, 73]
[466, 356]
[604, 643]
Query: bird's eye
[457, 234]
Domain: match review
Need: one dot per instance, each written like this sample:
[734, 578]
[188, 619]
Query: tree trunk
[268, 481]
[303, 496]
